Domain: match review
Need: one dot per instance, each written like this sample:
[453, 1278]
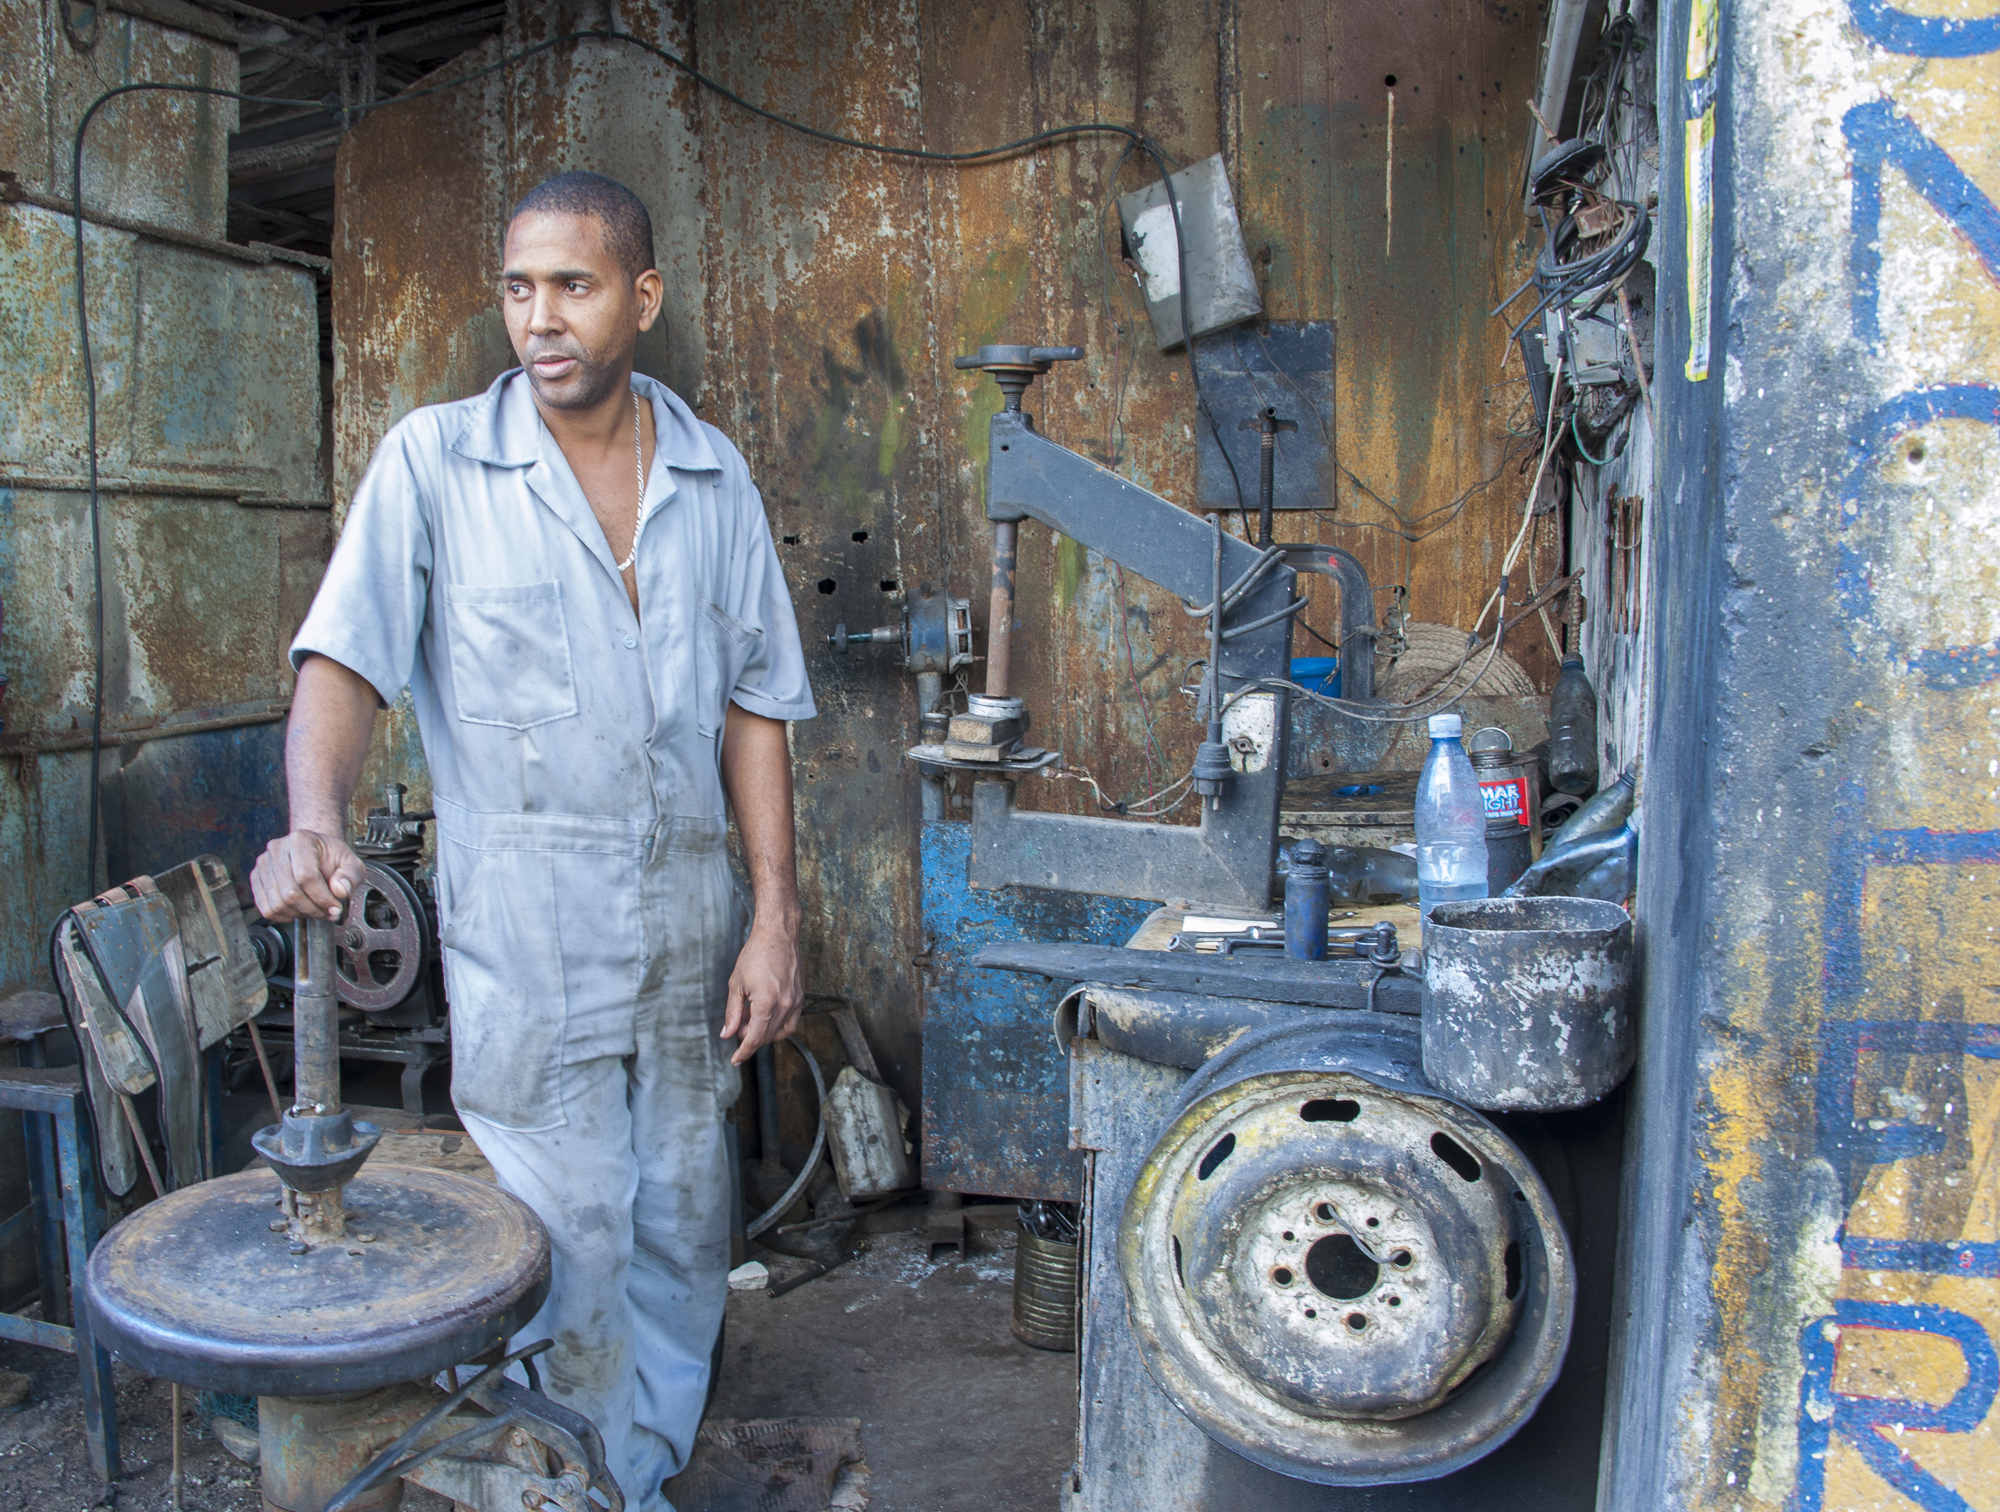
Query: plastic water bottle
[1451, 821]
[1573, 731]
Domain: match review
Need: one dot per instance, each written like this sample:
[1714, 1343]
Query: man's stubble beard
[595, 378]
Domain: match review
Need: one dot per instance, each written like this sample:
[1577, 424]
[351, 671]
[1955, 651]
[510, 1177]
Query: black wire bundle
[1563, 275]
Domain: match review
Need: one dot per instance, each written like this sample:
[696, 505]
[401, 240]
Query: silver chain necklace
[639, 478]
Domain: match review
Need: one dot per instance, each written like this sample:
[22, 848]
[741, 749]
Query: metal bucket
[1527, 1001]
[1045, 1297]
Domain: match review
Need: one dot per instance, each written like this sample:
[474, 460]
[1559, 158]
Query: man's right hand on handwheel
[305, 875]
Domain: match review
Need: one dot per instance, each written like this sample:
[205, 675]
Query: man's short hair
[628, 229]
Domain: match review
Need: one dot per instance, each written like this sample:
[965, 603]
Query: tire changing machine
[338, 1299]
[1314, 1281]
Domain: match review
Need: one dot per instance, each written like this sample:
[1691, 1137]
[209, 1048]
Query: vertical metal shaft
[767, 1105]
[315, 1019]
[175, 1500]
[930, 688]
[1000, 620]
[1267, 459]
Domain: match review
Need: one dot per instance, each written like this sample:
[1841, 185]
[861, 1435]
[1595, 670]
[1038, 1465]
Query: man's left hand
[766, 992]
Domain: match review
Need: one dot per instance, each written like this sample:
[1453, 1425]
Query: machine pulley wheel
[1339, 1273]
[379, 946]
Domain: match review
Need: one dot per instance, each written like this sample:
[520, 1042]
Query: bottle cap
[1443, 725]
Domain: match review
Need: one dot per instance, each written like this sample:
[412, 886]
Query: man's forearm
[333, 719]
[757, 775]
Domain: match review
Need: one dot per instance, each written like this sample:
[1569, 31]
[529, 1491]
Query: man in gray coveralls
[575, 578]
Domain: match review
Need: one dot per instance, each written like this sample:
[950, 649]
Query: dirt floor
[955, 1413]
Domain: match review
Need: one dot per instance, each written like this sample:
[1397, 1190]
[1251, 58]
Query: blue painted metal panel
[996, 1088]
[219, 793]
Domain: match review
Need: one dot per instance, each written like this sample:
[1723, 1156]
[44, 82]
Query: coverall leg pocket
[509, 1011]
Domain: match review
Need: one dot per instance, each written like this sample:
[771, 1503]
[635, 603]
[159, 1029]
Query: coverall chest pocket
[510, 661]
[723, 647]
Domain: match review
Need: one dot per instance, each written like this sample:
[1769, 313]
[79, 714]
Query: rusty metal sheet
[156, 157]
[827, 291]
[208, 386]
[818, 268]
[1404, 247]
[41, 426]
[206, 368]
[224, 389]
[412, 327]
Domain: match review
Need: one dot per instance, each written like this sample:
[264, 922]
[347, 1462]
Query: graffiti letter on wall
[1898, 31]
[1876, 1425]
[1880, 137]
[1941, 667]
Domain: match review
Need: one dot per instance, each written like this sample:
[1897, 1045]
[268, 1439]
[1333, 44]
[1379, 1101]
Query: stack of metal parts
[336, 1297]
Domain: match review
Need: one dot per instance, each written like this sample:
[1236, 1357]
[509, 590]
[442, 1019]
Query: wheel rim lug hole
[1282, 1276]
[1357, 1321]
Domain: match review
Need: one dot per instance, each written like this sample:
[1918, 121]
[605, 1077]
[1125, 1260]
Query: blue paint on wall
[1874, 1425]
[1941, 667]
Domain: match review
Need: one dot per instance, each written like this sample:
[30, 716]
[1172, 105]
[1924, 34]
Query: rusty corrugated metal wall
[208, 386]
[817, 297]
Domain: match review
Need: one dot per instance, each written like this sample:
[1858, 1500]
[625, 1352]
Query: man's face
[573, 312]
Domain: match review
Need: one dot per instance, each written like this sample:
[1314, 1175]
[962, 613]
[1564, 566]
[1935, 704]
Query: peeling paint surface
[208, 389]
[1820, 928]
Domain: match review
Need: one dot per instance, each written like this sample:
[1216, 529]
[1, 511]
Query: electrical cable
[347, 113]
[1424, 702]
[1581, 448]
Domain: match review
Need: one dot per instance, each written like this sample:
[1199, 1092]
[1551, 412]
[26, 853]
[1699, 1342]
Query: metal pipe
[1000, 616]
[930, 688]
[315, 1020]
[767, 1103]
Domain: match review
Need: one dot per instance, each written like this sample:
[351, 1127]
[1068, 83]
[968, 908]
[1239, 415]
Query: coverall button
[631, 641]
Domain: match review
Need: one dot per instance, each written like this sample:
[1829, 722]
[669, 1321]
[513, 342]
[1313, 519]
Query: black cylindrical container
[1510, 786]
[1306, 902]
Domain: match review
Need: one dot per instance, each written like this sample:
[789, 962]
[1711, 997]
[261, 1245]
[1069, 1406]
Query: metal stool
[62, 1190]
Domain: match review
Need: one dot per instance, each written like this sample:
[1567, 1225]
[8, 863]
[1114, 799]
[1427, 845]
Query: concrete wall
[1813, 1254]
[817, 296]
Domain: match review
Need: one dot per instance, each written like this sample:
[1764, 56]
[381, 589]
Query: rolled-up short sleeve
[369, 611]
[773, 681]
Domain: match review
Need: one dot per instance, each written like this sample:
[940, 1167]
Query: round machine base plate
[201, 1288]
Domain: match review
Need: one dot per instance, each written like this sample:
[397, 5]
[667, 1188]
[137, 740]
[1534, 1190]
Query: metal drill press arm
[1228, 858]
